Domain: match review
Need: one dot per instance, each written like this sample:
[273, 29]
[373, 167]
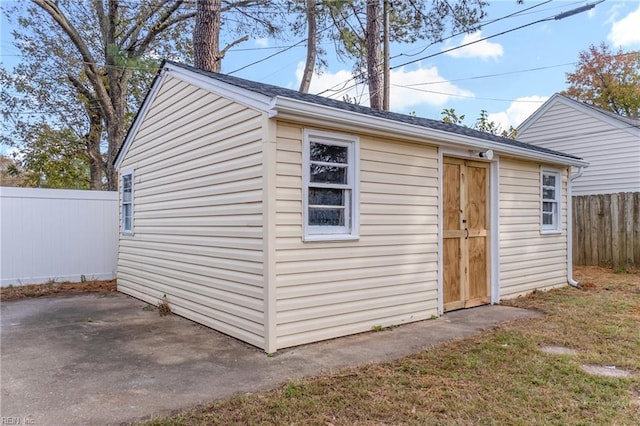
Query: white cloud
[436, 94]
[626, 31]
[612, 14]
[519, 110]
[262, 42]
[333, 83]
[403, 99]
[479, 49]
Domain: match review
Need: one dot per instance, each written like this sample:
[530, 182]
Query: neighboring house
[283, 218]
[608, 141]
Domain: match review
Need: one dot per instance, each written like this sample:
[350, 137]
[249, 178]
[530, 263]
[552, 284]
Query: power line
[304, 40]
[477, 28]
[550, 18]
[478, 77]
[362, 74]
[457, 95]
[287, 48]
[268, 57]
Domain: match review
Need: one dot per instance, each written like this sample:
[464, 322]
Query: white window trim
[557, 227]
[124, 173]
[332, 233]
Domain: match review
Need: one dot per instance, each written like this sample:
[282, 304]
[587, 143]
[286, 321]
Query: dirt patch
[590, 276]
[558, 350]
[55, 289]
[605, 371]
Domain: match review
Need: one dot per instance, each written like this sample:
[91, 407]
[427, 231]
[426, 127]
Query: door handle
[466, 230]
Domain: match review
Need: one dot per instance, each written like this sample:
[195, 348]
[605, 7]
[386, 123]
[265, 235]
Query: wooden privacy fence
[606, 230]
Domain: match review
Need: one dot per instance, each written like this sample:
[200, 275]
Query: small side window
[126, 199]
[551, 217]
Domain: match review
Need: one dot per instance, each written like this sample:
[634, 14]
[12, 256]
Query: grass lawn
[498, 377]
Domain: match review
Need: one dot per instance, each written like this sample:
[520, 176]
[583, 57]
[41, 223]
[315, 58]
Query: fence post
[615, 232]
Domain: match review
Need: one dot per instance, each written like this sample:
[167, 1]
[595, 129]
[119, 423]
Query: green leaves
[482, 123]
[53, 159]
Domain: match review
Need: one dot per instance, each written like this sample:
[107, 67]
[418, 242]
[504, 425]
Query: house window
[126, 210]
[551, 217]
[330, 170]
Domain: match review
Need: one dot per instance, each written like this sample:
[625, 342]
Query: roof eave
[250, 99]
[619, 122]
[288, 108]
[139, 118]
[243, 96]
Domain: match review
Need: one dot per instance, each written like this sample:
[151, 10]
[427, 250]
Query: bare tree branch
[90, 65]
[230, 45]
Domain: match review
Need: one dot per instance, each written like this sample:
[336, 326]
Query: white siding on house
[388, 276]
[529, 260]
[197, 161]
[613, 153]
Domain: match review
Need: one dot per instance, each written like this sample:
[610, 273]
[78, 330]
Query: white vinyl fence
[57, 235]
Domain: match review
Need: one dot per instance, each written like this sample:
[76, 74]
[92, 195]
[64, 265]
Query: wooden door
[465, 239]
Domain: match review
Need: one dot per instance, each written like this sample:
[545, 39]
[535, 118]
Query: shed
[283, 218]
[608, 141]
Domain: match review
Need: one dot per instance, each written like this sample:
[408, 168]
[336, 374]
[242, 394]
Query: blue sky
[526, 65]
[548, 49]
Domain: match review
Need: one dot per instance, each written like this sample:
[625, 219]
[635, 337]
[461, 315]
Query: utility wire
[304, 40]
[477, 28]
[362, 74]
[551, 18]
[285, 49]
[465, 96]
[479, 77]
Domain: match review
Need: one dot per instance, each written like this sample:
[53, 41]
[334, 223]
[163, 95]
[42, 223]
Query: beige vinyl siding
[197, 239]
[388, 276]
[613, 153]
[529, 260]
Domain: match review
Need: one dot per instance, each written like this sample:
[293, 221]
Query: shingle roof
[273, 91]
[270, 90]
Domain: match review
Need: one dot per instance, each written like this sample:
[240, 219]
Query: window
[330, 170]
[551, 217]
[126, 211]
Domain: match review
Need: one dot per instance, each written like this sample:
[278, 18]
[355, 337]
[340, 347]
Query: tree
[374, 54]
[312, 43]
[357, 26]
[311, 22]
[608, 80]
[53, 159]
[88, 65]
[259, 17]
[206, 42]
[9, 172]
[482, 123]
[451, 117]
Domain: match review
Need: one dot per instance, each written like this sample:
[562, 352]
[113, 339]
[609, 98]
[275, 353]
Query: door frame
[494, 222]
